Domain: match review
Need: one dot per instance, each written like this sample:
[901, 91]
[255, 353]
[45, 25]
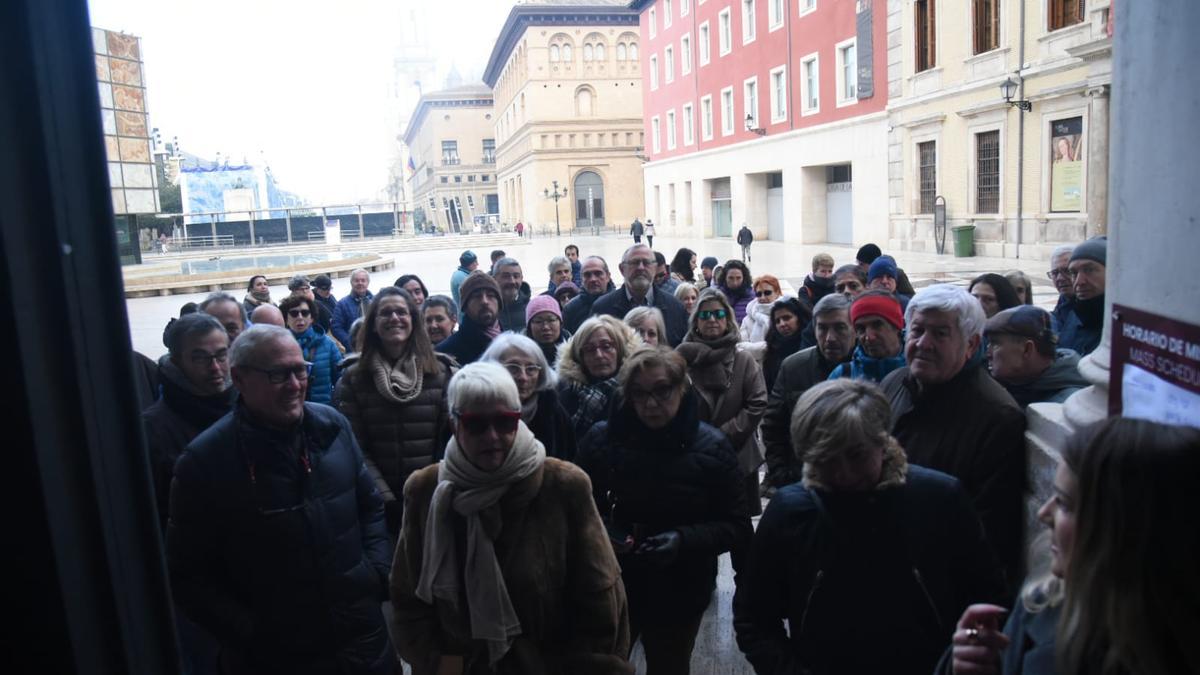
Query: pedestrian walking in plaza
[257, 293]
[503, 564]
[587, 369]
[734, 282]
[669, 489]
[744, 239]
[395, 397]
[637, 229]
[520, 229]
[537, 387]
[276, 542]
[638, 266]
[951, 416]
[649, 230]
[318, 349]
[352, 307]
[480, 321]
[730, 391]
[860, 567]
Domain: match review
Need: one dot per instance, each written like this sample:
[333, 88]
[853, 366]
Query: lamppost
[556, 195]
[1008, 89]
[752, 126]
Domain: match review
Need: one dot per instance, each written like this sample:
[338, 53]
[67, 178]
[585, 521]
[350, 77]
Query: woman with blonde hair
[687, 293]
[649, 324]
[868, 558]
[587, 369]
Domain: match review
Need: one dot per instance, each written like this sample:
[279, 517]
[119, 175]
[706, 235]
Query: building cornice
[443, 100]
[526, 16]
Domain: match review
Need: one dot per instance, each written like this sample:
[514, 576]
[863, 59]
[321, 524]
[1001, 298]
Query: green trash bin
[964, 241]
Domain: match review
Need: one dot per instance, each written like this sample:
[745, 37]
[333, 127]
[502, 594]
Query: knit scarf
[529, 409]
[704, 357]
[472, 492]
[257, 299]
[398, 382]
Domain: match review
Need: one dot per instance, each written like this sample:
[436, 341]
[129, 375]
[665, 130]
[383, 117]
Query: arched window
[566, 53]
[633, 55]
[553, 52]
[587, 52]
[584, 101]
[621, 52]
[599, 52]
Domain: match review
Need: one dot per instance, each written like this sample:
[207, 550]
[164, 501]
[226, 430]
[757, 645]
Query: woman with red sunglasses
[503, 564]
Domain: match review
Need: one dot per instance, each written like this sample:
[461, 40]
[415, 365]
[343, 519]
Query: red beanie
[880, 305]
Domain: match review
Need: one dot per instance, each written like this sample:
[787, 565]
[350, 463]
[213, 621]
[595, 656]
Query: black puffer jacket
[684, 477]
[798, 374]
[868, 582]
[285, 562]
[552, 426]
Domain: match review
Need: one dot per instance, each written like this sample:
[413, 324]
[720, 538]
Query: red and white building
[769, 113]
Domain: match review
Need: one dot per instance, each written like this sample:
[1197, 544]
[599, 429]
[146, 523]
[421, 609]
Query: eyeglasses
[661, 394]
[478, 423]
[280, 375]
[765, 293]
[297, 313]
[545, 320]
[515, 369]
[1060, 272]
[707, 314]
[641, 262]
[599, 347]
[202, 358]
[393, 313]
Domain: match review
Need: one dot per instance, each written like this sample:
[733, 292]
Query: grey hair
[1065, 249]
[221, 296]
[637, 315]
[839, 416]
[505, 262]
[360, 269]
[298, 281]
[557, 262]
[834, 302]
[628, 250]
[479, 384]
[190, 326]
[505, 342]
[684, 287]
[443, 301]
[602, 262]
[246, 347]
[951, 300]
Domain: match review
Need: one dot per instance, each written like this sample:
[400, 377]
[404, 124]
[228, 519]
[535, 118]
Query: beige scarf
[469, 490]
[398, 383]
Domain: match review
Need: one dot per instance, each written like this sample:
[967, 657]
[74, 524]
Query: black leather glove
[661, 549]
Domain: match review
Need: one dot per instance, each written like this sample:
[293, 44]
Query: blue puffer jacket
[863, 367]
[320, 351]
[348, 310]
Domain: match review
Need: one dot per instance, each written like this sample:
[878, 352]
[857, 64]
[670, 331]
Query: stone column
[1097, 162]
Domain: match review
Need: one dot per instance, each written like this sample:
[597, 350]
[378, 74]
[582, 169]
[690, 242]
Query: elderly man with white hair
[951, 416]
[352, 307]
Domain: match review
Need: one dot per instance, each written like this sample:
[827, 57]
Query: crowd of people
[510, 480]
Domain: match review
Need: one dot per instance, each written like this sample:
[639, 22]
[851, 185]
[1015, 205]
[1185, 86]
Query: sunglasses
[297, 313]
[766, 293]
[706, 314]
[477, 424]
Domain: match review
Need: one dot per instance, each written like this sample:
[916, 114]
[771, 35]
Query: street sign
[1155, 371]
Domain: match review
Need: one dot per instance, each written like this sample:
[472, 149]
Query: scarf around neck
[257, 299]
[706, 359]
[469, 491]
[398, 382]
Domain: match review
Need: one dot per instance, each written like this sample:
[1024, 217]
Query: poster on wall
[1155, 371]
[1066, 165]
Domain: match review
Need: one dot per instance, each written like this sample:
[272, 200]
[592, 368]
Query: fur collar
[894, 474]
[571, 370]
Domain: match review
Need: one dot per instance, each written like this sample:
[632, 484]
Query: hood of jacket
[572, 370]
[1063, 373]
[893, 474]
[819, 287]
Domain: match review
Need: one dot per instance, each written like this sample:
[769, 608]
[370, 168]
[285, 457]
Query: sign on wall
[864, 45]
[1066, 165]
[1155, 368]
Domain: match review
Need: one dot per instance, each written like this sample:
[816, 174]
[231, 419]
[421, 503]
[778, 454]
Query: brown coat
[733, 397]
[562, 577]
[396, 440]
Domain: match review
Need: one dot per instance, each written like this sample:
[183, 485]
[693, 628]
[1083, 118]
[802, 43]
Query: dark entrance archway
[589, 201]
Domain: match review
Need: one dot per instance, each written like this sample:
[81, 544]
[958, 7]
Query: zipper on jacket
[928, 597]
[808, 601]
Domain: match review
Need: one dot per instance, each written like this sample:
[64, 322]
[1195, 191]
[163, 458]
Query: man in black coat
[276, 542]
[637, 267]
[480, 322]
[597, 281]
[514, 294]
[951, 416]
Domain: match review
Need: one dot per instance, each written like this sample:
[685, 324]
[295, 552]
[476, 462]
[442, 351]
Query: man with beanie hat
[706, 268]
[544, 325]
[322, 287]
[467, 263]
[1023, 355]
[883, 275]
[1083, 325]
[869, 253]
[879, 326]
[481, 311]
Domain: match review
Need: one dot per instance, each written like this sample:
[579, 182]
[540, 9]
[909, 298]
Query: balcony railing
[450, 161]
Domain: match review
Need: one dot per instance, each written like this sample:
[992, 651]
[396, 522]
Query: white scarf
[469, 490]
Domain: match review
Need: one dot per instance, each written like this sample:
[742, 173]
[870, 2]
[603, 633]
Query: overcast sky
[303, 81]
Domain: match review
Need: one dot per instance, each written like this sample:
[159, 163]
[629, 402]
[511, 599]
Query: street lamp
[556, 195]
[1008, 89]
[752, 125]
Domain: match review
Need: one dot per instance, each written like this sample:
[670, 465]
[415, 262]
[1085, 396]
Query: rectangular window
[685, 6]
[670, 129]
[779, 95]
[669, 63]
[725, 27]
[1066, 165]
[450, 153]
[810, 86]
[489, 151]
[987, 172]
[705, 43]
[653, 72]
[807, 6]
[667, 14]
[927, 162]
[685, 54]
[655, 135]
[727, 111]
[706, 118]
[847, 54]
[750, 100]
[1063, 13]
[987, 25]
[748, 22]
[689, 125]
[653, 23]
[926, 33]
[775, 10]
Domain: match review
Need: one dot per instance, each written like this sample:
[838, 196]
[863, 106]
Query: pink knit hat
[539, 304]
